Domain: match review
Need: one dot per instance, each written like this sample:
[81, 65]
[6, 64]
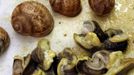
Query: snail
[31, 18]
[4, 40]
[67, 63]
[96, 65]
[102, 7]
[112, 32]
[119, 64]
[24, 65]
[43, 55]
[88, 41]
[68, 8]
[94, 26]
[117, 42]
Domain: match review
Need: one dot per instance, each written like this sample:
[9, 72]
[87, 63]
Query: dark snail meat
[96, 65]
[31, 67]
[43, 55]
[24, 66]
[31, 18]
[118, 42]
[55, 64]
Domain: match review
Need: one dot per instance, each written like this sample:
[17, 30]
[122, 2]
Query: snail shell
[102, 7]
[31, 18]
[4, 40]
[69, 8]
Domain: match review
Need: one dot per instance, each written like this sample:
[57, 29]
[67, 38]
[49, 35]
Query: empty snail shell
[102, 7]
[32, 19]
[69, 8]
[4, 40]
[118, 42]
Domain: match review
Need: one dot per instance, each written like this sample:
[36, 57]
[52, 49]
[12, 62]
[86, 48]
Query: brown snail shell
[4, 40]
[68, 8]
[102, 7]
[32, 19]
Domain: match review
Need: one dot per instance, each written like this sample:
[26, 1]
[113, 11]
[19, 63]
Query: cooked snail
[24, 66]
[41, 58]
[67, 64]
[18, 67]
[31, 18]
[96, 65]
[111, 39]
[43, 55]
[118, 42]
[112, 32]
[89, 41]
[126, 66]
[69, 8]
[55, 64]
[114, 59]
[66, 53]
[119, 65]
[93, 26]
[31, 67]
[103, 55]
[4, 40]
[66, 67]
[102, 7]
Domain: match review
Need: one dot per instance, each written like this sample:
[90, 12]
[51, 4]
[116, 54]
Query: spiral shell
[69, 8]
[31, 18]
[4, 40]
[102, 7]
